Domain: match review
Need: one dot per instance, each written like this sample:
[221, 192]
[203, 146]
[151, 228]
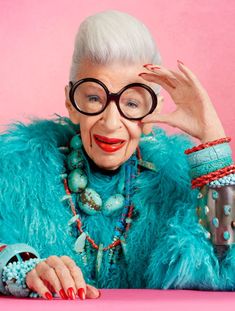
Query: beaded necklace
[75, 160]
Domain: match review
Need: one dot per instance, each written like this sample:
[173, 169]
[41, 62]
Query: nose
[111, 117]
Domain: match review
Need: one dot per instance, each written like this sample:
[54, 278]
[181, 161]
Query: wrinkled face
[108, 138]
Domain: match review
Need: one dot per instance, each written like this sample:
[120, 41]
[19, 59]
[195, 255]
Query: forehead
[114, 75]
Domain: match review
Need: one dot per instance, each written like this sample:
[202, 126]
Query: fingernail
[99, 294]
[155, 67]
[63, 294]
[81, 293]
[147, 65]
[179, 61]
[70, 293]
[48, 296]
[142, 73]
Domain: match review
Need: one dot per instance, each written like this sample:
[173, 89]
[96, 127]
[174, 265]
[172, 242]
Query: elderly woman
[105, 200]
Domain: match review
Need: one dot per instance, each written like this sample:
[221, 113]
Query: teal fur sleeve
[184, 257]
[31, 210]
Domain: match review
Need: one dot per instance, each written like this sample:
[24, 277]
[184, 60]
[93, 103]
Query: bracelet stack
[16, 260]
[14, 276]
[211, 163]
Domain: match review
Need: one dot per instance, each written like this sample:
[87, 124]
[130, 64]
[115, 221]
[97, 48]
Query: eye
[132, 104]
[93, 98]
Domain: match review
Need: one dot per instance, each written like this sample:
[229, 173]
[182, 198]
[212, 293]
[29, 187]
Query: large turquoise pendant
[113, 204]
[90, 201]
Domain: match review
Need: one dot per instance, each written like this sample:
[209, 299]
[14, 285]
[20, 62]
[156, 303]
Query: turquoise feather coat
[166, 247]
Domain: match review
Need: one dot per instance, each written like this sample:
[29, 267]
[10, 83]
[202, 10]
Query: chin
[109, 166]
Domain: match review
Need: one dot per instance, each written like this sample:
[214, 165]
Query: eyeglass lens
[134, 102]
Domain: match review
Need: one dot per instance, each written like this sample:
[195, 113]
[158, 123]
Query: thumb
[92, 292]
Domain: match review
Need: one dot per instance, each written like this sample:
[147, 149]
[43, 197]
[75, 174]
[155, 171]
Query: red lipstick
[109, 144]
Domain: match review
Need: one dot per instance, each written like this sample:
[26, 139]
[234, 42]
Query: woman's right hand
[59, 275]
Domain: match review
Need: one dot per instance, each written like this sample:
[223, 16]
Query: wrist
[211, 135]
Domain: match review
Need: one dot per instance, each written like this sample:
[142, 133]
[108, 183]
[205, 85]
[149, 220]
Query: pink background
[36, 39]
[36, 42]
[130, 300]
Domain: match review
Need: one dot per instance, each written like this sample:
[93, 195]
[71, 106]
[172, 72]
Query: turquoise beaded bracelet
[14, 276]
[228, 180]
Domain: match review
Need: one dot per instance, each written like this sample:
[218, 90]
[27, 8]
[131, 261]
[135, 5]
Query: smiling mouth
[109, 144]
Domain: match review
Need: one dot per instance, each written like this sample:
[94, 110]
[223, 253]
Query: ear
[147, 128]
[73, 113]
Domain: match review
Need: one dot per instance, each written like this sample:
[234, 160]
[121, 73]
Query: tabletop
[129, 299]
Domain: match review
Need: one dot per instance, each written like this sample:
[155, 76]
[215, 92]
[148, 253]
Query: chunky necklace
[89, 201]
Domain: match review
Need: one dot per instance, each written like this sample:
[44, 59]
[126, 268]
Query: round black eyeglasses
[90, 96]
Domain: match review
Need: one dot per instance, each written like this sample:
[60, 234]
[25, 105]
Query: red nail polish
[63, 294]
[180, 62]
[70, 293]
[48, 296]
[147, 65]
[81, 293]
[155, 67]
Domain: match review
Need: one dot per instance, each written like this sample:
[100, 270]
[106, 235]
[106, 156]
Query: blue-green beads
[76, 142]
[227, 210]
[114, 203]
[226, 235]
[215, 195]
[77, 180]
[215, 222]
[223, 181]
[18, 271]
[74, 160]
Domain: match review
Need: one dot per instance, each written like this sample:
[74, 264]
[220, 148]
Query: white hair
[113, 36]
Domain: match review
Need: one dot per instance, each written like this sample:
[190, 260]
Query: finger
[64, 276]
[164, 73]
[175, 77]
[50, 278]
[34, 283]
[187, 72]
[161, 80]
[77, 276]
[182, 79]
[92, 292]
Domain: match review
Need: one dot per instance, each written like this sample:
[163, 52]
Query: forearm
[212, 172]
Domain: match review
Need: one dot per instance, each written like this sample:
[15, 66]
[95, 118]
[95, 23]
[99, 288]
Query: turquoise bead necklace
[90, 202]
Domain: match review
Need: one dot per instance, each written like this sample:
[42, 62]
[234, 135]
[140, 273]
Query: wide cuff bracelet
[216, 212]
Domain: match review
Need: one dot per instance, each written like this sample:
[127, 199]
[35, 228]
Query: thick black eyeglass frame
[111, 97]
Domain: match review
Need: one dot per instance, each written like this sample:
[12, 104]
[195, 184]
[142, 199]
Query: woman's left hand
[194, 113]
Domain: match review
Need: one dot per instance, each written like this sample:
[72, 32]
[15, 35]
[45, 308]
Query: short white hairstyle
[111, 36]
